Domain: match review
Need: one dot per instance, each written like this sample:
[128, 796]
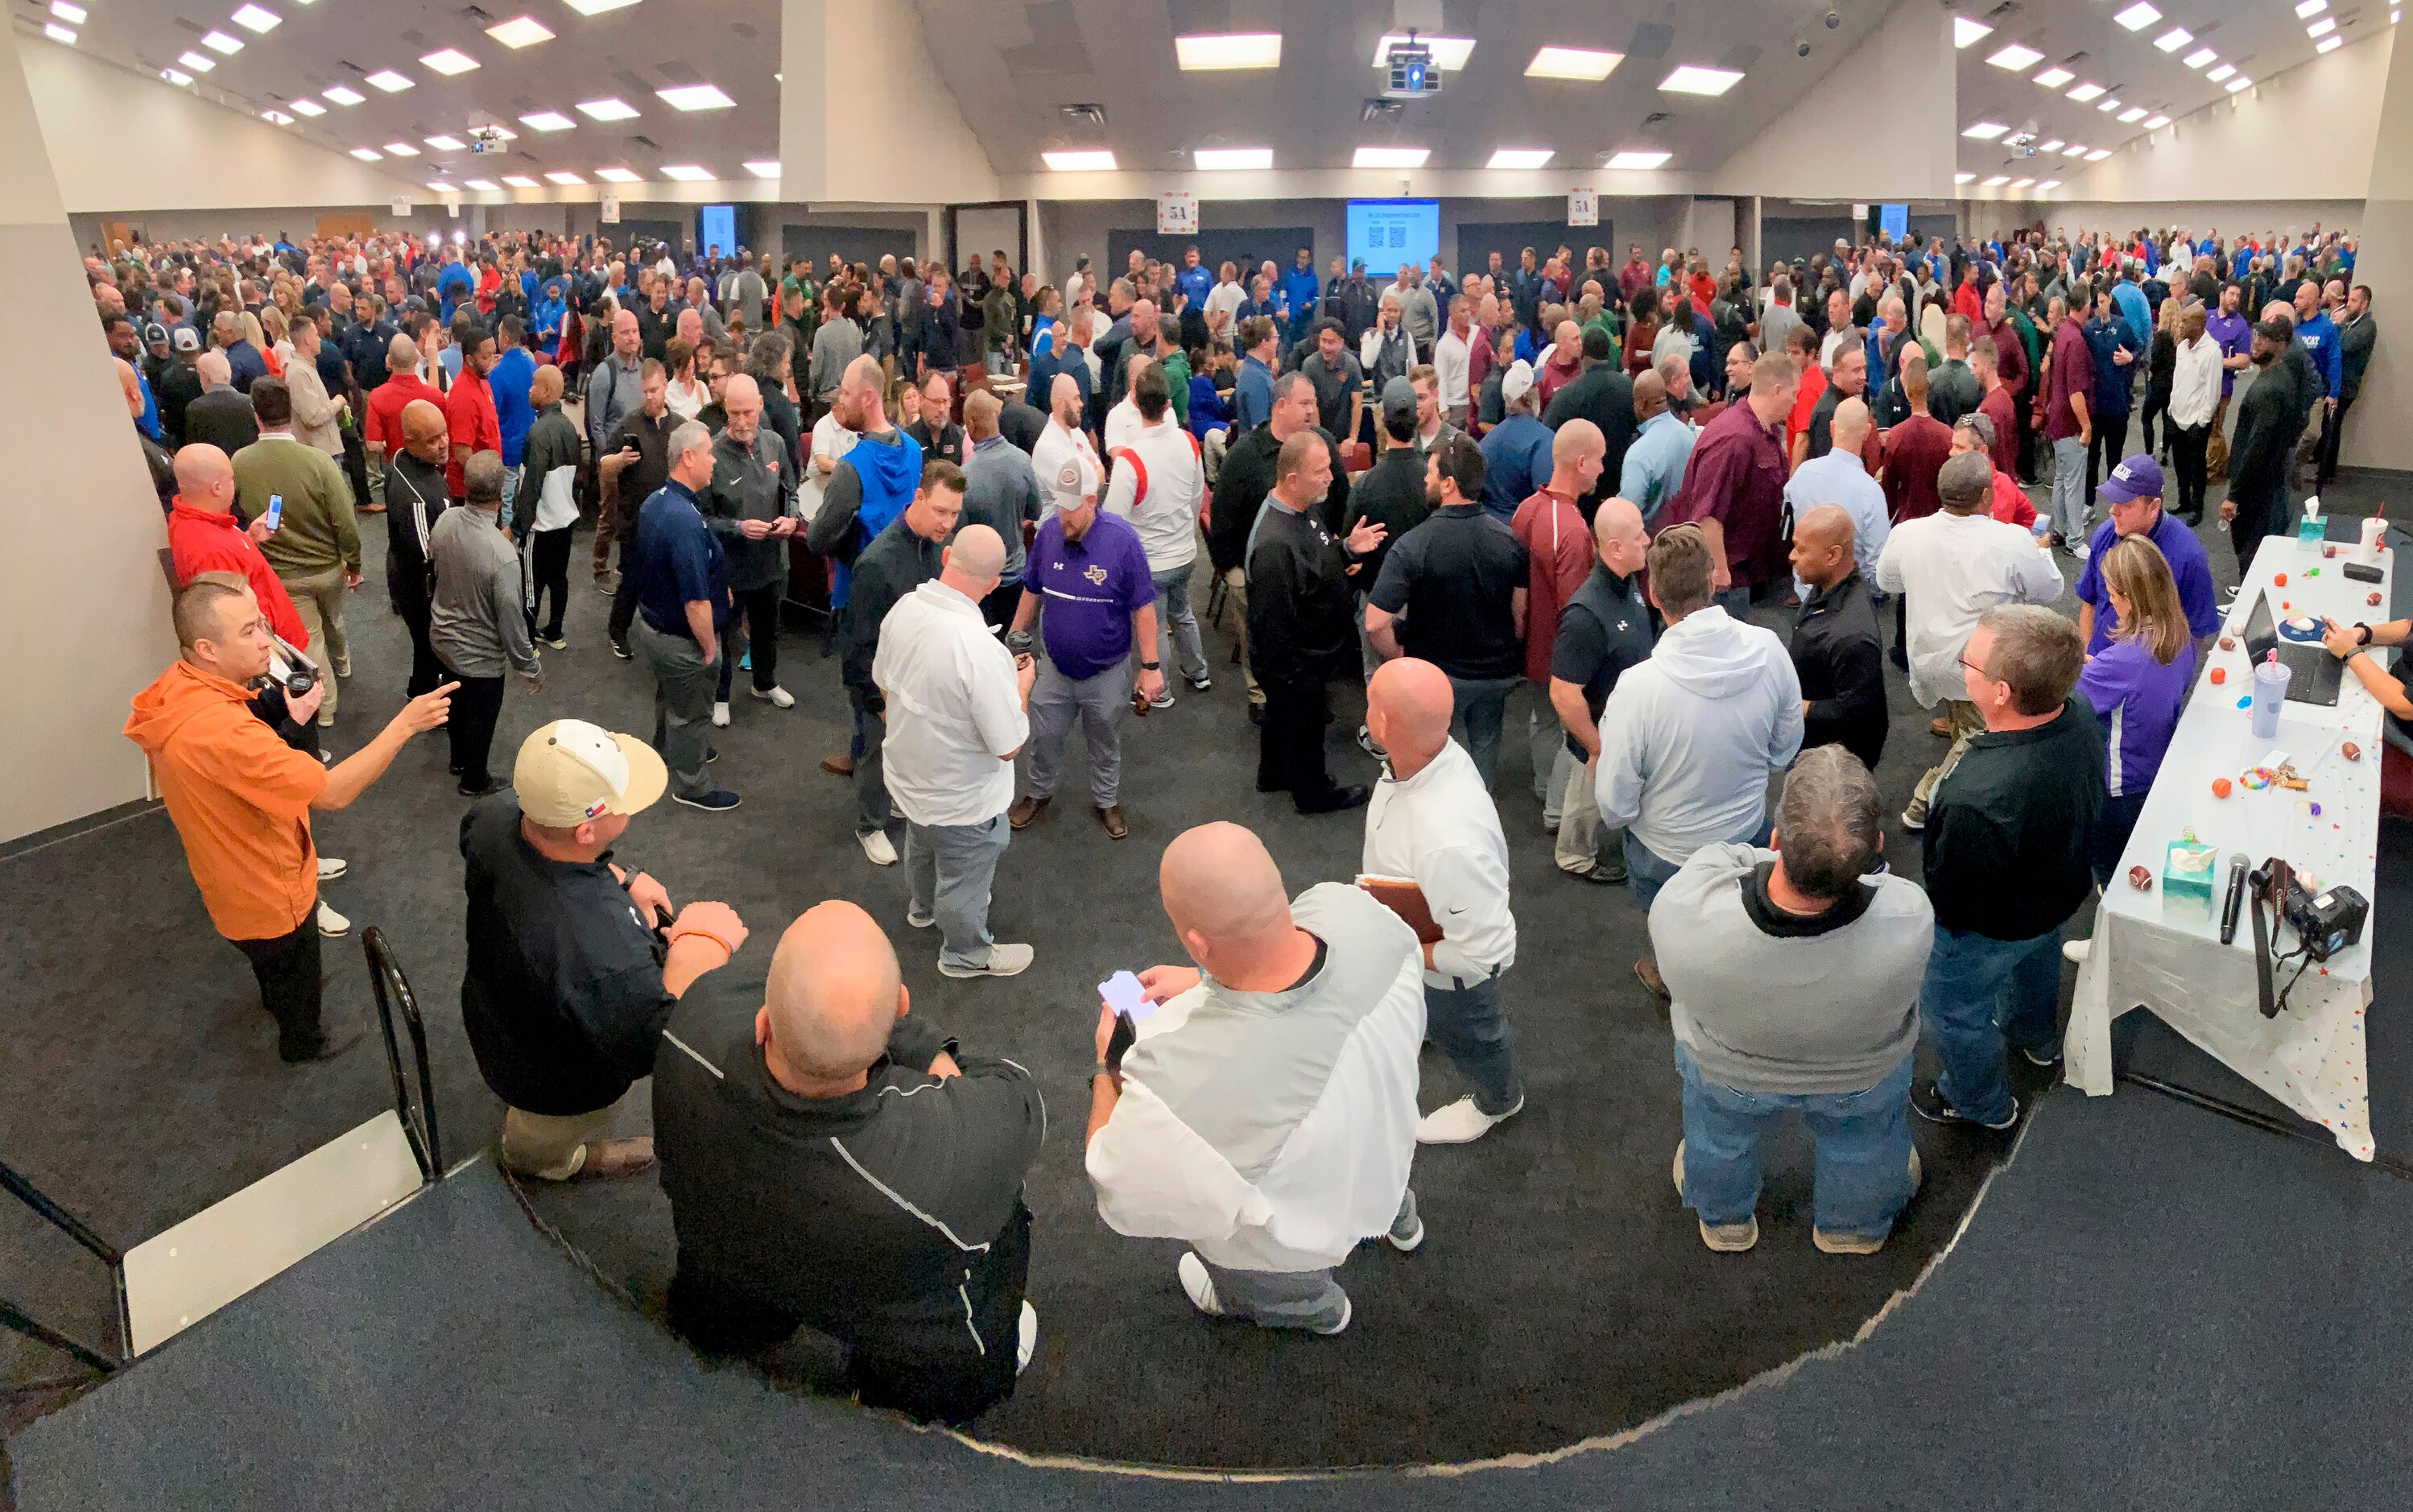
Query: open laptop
[2314, 674]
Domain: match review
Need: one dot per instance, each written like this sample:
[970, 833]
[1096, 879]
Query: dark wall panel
[1247, 246]
[1478, 240]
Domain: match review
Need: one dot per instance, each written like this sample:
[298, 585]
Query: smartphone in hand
[276, 511]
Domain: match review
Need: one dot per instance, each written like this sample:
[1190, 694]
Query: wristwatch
[1150, 666]
[2361, 633]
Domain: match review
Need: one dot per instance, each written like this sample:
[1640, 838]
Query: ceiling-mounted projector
[1413, 74]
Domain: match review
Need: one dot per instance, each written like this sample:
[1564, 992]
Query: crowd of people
[1587, 491]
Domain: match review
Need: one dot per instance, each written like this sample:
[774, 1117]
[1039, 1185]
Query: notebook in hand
[1406, 899]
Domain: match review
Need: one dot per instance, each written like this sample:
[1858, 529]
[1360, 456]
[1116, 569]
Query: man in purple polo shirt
[2132, 497]
[1734, 486]
[2233, 333]
[1090, 572]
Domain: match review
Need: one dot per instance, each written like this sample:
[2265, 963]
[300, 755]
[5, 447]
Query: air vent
[1087, 113]
[1656, 118]
[194, 27]
[2076, 62]
[2004, 12]
[1378, 109]
[477, 17]
[646, 142]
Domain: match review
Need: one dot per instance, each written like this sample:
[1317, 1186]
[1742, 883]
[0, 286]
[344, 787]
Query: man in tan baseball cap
[572, 971]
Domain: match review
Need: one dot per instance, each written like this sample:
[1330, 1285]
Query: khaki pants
[319, 598]
[1235, 595]
[1966, 725]
[550, 1147]
[1581, 843]
[607, 524]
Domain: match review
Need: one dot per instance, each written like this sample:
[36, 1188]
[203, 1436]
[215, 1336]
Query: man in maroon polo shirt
[2069, 385]
[1734, 486]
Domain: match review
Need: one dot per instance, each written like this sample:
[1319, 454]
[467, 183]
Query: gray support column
[2379, 431]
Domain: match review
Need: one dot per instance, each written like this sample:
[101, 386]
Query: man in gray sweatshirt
[1796, 979]
[477, 625]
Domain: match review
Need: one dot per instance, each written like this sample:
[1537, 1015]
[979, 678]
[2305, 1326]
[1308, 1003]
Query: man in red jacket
[204, 536]
[381, 424]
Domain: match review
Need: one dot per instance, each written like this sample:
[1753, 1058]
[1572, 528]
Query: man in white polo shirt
[1160, 486]
[957, 718]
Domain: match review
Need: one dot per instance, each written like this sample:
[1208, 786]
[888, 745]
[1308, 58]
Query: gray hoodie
[1690, 737]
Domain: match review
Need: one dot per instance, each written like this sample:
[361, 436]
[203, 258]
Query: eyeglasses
[1979, 669]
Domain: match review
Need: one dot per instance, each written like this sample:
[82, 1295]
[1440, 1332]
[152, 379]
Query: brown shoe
[1940, 727]
[1645, 971]
[838, 766]
[1111, 817]
[614, 1158]
[1025, 811]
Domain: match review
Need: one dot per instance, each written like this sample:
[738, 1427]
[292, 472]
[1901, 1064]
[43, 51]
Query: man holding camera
[241, 798]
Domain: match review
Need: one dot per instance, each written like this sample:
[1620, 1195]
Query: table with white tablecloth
[2152, 953]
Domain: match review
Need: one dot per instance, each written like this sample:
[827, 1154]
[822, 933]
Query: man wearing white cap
[571, 977]
[1517, 452]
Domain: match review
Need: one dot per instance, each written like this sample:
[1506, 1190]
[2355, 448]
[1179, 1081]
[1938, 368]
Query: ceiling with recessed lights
[636, 86]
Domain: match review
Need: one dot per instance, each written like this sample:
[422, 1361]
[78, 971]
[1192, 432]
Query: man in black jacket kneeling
[831, 1161]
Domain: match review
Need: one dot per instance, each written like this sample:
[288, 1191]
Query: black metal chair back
[394, 996]
[16, 1321]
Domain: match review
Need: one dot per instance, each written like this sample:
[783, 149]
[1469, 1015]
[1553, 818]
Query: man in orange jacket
[239, 797]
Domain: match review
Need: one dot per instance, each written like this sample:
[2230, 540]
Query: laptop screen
[2261, 630]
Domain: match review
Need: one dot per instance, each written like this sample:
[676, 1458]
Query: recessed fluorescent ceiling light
[2048, 183]
[72, 15]
[519, 181]
[2098, 154]
[2174, 40]
[221, 42]
[2133, 115]
[2109, 105]
[2076, 149]
[2016, 58]
[1390, 157]
[607, 110]
[763, 168]
[1092, 161]
[2086, 92]
[1573, 63]
[2155, 123]
[1449, 54]
[562, 176]
[2311, 7]
[177, 76]
[596, 7]
[2240, 81]
[253, 19]
[276, 118]
[1637, 162]
[2202, 55]
[2055, 78]
[1986, 130]
[2331, 44]
[524, 32]
[2137, 17]
[197, 62]
[1525, 158]
[441, 188]
[547, 121]
[2052, 146]
[367, 154]
[1207, 52]
[1998, 181]
[1689, 79]
[309, 107]
[447, 144]
[617, 175]
[1965, 31]
[687, 172]
[57, 33]
[388, 80]
[696, 98]
[1962, 178]
[1213, 159]
[2021, 183]
[402, 149]
[2322, 27]
[342, 95]
[450, 61]
[2216, 74]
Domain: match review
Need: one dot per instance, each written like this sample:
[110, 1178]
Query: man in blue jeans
[2007, 862]
[1690, 737]
[1796, 978]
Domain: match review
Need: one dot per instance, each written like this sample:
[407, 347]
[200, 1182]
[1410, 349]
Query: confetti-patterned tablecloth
[2152, 951]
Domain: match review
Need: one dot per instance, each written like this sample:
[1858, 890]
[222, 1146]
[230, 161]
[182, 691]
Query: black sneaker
[620, 649]
[719, 801]
[711, 755]
[1334, 802]
[2046, 1059]
[478, 789]
[1928, 1101]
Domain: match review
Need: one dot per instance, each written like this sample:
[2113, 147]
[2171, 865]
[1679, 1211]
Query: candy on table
[2312, 571]
[2279, 582]
[2219, 676]
[2328, 551]
[2245, 702]
[2372, 599]
[2139, 878]
[2220, 786]
[2228, 642]
[2350, 752]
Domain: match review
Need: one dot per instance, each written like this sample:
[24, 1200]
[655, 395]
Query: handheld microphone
[2236, 899]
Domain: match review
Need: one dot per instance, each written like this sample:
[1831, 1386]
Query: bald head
[833, 992]
[1223, 892]
[1619, 535]
[977, 552]
[1408, 705]
[401, 355]
[1825, 527]
[1850, 424]
[1649, 394]
[1576, 441]
[204, 477]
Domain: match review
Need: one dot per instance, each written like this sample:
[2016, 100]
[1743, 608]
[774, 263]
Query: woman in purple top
[2136, 684]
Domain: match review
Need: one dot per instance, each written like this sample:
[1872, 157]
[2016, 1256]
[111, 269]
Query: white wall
[1850, 138]
[2226, 216]
[2304, 134]
[863, 111]
[119, 141]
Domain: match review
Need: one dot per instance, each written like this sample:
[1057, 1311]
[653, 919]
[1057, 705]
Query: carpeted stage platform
[1563, 1296]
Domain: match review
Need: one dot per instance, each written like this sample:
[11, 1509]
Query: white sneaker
[1200, 1288]
[721, 716]
[331, 868]
[778, 698]
[1461, 1123]
[1027, 1341]
[331, 923]
[2076, 950]
[877, 846]
[1163, 700]
[916, 919]
[1003, 961]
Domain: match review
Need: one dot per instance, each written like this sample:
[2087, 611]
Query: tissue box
[2187, 872]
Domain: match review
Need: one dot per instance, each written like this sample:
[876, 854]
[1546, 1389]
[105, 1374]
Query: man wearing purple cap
[2132, 497]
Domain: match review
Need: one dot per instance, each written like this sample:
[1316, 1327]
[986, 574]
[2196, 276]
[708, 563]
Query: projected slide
[1388, 232]
[718, 229]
